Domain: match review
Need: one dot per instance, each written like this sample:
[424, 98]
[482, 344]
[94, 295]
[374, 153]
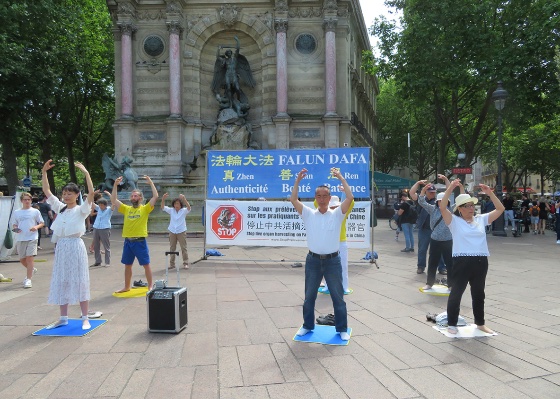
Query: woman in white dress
[70, 276]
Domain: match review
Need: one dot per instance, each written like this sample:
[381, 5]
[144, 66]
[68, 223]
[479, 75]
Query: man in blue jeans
[423, 224]
[323, 240]
[406, 222]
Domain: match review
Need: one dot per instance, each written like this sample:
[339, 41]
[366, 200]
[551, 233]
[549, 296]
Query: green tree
[450, 55]
[59, 82]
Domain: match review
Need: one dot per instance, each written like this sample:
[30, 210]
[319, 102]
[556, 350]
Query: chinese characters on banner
[275, 224]
[270, 174]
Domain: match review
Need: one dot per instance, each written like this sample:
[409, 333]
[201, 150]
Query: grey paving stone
[49, 382]
[289, 366]
[477, 382]
[80, 383]
[353, 378]
[46, 359]
[289, 316]
[292, 390]
[254, 392]
[198, 302]
[241, 310]
[20, 386]
[322, 381]
[205, 384]
[272, 285]
[200, 349]
[115, 382]
[232, 333]
[229, 368]
[370, 345]
[166, 382]
[278, 299]
[258, 365]
[431, 384]
[518, 367]
[263, 331]
[138, 384]
[163, 351]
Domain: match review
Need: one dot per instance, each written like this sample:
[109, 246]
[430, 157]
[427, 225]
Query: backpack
[535, 211]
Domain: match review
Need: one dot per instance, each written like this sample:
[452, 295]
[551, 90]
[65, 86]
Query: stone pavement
[245, 307]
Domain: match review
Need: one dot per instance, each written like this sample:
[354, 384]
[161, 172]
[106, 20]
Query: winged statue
[230, 69]
[113, 169]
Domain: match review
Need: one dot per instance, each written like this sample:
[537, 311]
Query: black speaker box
[167, 309]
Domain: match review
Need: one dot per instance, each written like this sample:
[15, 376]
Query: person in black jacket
[406, 221]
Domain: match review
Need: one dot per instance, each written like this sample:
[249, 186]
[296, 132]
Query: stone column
[174, 69]
[329, 25]
[126, 70]
[281, 26]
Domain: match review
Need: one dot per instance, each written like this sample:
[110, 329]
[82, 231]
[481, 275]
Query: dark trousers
[468, 270]
[557, 226]
[439, 249]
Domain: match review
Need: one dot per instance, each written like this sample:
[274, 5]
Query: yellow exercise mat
[437, 290]
[133, 293]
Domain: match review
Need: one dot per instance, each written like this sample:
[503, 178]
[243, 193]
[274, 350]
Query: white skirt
[70, 275]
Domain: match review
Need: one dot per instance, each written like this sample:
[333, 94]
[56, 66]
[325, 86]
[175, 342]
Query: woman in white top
[70, 276]
[470, 252]
[179, 209]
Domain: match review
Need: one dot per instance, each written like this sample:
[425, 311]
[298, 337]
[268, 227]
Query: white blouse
[69, 223]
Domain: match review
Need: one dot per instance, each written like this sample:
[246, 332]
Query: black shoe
[140, 283]
[443, 271]
[96, 264]
[419, 271]
[327, 320]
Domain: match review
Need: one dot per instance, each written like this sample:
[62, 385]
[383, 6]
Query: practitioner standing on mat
[470, 252]
[70, 275]
[323, 240]
[135, 230]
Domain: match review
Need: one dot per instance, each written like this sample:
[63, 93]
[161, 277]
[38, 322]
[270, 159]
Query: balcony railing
[362, 131]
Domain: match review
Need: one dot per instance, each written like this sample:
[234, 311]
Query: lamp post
[461, 158]
[499, 97]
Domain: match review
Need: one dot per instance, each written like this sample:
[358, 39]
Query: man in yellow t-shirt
[135, 231]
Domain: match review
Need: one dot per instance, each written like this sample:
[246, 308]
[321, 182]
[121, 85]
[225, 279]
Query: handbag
[8, 239]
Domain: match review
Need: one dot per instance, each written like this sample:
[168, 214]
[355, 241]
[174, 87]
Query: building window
[306, 44]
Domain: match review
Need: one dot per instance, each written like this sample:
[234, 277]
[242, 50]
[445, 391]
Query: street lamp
[461, 158]
[499, 97]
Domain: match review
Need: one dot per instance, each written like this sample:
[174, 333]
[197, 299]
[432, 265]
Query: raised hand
[48, 165]
[80, 166]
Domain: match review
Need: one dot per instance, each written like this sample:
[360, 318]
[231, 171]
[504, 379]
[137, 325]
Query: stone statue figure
[229, 70]
[113, 169]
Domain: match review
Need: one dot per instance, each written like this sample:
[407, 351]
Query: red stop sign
[226, 222]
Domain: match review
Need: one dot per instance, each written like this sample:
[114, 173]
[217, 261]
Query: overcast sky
[372, 9]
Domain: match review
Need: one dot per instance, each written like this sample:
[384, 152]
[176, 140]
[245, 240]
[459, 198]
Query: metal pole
[498, 229]
[409, 171]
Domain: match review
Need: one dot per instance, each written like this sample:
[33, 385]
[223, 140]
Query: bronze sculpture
[229, 70]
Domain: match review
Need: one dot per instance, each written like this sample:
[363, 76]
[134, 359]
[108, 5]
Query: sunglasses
[467, 206]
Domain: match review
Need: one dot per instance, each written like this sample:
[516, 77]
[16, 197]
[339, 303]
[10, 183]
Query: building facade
[305, 57]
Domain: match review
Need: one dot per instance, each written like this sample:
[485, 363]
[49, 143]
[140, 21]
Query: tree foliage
[446, 57]
[59, 84]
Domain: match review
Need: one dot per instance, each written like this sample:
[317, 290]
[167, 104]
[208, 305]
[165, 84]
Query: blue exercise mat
[72, 329]
[325, 335]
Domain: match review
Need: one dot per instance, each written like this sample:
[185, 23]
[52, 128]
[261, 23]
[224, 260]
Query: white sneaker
[558, 242]
[27, 283]
[344, 336]
[34, 270]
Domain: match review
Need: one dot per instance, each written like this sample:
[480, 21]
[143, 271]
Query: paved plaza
[245, 307]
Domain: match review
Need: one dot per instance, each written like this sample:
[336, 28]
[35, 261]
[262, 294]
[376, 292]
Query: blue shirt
[103, 219]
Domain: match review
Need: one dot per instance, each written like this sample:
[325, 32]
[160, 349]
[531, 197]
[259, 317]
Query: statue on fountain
[113, 169]
[229, 70]
[232, 131]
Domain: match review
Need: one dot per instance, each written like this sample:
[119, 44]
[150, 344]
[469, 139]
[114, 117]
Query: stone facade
[305, 56]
